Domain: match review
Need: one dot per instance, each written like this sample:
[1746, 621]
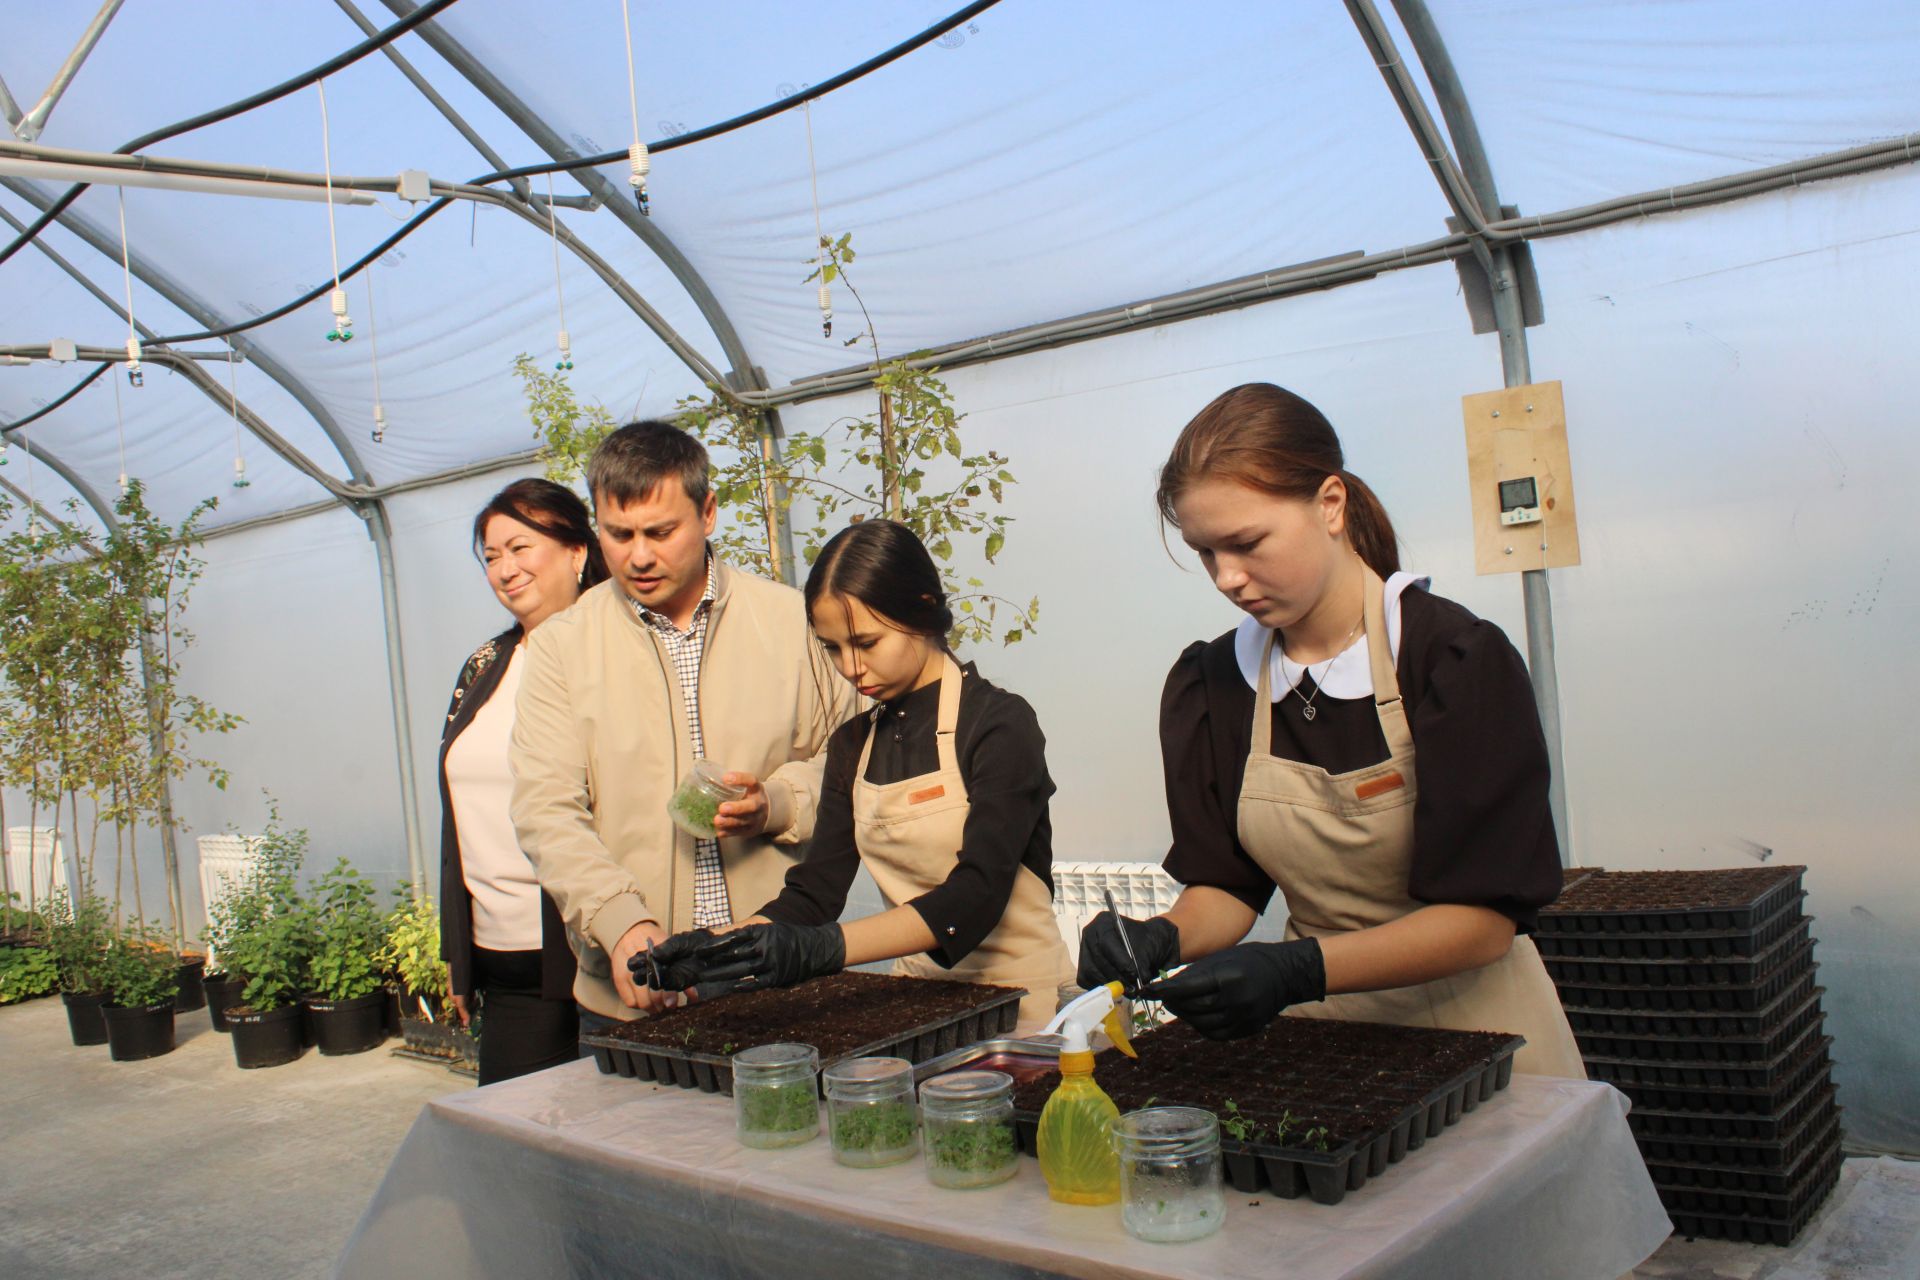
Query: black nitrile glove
[747, 959]
[1236, 992]
[673, 965]
[1103, 956]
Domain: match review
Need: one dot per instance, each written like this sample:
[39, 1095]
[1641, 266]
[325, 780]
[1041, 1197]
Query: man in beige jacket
[677, 656]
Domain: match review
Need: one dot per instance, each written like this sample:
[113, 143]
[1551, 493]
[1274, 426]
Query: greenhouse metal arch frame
[1487, 238]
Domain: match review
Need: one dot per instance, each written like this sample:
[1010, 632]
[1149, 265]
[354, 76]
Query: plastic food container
[870, 1111]
[776, 1099]
[696, 801]
[966, 1121]
[1170, 1174]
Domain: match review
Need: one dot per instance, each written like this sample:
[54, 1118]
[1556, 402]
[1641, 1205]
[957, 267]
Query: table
[572, 1173]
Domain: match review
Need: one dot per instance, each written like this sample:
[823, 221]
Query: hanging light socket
[639, 165]
[135, 377]
[240, 480]
[342, 330]
[379, 423]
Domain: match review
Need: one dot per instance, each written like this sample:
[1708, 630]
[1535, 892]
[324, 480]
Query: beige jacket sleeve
[793, 790]
[597, 898]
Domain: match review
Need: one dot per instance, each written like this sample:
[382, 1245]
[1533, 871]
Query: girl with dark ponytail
[1289, 746]
[941, 793]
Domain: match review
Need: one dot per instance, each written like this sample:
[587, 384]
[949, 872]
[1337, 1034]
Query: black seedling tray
[1818, 1170]
[713, 1073]
[1795, 964]
[1714, 971]
[1796, 1073]
[1787, 1030]
[1754, 1179]
[1703, 1024]
[1327, 1176]
[1672, 1074]
[1766, 900]
[1649, 1122]
[1782, 1153]
[1763, 1228]
[1702, 944]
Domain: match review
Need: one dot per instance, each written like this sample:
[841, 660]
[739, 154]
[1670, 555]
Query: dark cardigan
[479, 678]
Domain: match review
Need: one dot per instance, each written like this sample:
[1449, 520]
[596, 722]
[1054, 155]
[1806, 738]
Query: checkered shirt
[710, 906]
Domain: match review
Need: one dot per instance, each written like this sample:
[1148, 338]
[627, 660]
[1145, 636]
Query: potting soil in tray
[849, 1015]
[1309, 1104]
[1671, 901]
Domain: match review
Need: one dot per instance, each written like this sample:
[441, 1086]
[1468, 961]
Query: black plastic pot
[83, 1016]
[222, 992]
[140, 1031]
[348, 1026]
[193, 992]
[266, 1039]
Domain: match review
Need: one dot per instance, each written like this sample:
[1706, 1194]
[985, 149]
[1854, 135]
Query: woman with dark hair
[1409, 895]
[940, 792]
[501, 936]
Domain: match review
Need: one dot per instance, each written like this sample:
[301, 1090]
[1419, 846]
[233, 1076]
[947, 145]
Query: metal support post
[381, 532]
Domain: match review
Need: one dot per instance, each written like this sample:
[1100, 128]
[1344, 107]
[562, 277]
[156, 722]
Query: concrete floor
[185, 1165]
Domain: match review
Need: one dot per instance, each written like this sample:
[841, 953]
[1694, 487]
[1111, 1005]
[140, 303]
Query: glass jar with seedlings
[1170, 1173]
[696, 801]
[870, 1112]
[966, 1121]
[776, 1098]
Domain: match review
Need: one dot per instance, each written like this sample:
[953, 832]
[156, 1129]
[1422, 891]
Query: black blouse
[1002, 758]
[1482, 831]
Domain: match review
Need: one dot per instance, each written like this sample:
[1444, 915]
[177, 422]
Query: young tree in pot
[346, 989]
[79, 928]
[267, 887]
[142, 978]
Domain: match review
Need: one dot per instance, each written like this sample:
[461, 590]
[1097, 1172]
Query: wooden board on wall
[1521, 431]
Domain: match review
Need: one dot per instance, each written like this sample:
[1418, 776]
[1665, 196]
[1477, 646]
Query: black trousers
[521, 1031]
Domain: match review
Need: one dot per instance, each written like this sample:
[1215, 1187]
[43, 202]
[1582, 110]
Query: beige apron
[909, 834]
[1341, 850]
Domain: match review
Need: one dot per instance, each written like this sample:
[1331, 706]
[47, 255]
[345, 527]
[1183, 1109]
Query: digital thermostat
[1519, 501]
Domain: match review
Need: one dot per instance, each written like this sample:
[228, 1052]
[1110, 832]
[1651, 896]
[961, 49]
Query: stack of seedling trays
[1695, 993]
[849, 1015]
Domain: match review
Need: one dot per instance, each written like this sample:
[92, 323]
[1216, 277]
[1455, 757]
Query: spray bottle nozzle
[1100, 1007]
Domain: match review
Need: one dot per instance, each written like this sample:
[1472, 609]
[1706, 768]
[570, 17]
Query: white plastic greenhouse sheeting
[1739, 381]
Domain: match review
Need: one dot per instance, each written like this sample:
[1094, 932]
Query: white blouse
[506, 896]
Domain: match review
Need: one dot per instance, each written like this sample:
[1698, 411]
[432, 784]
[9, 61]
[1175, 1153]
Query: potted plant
[412, 957]
[346, 993]
[270, 939]
[27, 969]
[79, 928]
[141, 974]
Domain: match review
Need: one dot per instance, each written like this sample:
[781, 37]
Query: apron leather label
[1379, 786]
[930, 793]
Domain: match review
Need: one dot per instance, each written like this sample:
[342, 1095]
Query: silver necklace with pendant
[1307, 709]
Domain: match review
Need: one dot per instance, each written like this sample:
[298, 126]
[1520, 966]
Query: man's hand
[460, 1012]
[745, 817]
[637, 995]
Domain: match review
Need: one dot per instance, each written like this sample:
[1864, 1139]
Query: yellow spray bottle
[1076, 1158]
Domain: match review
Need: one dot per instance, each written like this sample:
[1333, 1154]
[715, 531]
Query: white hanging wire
[373, 342]
[134, 375]
[240, 480]
[639, 164]
[553, 230]
[342, 330]
[120, 429]
[819, 235]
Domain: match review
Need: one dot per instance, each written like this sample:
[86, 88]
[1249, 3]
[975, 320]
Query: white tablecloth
[571, 1173]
